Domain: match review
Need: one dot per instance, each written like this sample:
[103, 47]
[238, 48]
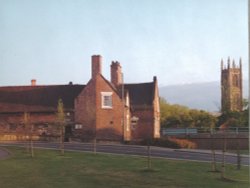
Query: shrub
[170, 143]
[162, 142]
[184, 143]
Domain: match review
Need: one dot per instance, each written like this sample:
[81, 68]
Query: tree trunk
[31, 142]
[238, 154]
[62, 140]
[223, 157]
[94, 145]
[27, 140]
[149, 155]
[214, 168]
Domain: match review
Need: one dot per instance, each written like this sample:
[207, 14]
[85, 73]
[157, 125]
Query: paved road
[179, 154]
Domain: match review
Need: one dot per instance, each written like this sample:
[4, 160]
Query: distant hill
[204, 96]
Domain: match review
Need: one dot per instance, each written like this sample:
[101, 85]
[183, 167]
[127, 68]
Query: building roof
[37, 98]
[141, 94]
[45, 98]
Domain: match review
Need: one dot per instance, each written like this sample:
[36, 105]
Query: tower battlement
[231, 64]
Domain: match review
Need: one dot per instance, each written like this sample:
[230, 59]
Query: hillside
[205, 96]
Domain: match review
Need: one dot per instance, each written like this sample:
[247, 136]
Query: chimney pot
[33, 82]
[96, 65]
[116, 73]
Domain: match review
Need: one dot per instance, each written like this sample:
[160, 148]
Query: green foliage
[245, 104]
[173, 115]
[234, 118]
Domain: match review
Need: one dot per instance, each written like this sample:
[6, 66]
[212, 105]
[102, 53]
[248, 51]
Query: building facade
[101, 109]
[231, 86]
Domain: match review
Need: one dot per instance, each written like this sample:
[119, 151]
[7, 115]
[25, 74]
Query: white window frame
[78, 126]
[103, 96]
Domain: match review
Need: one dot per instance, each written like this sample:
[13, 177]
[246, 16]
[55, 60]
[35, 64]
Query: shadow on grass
[149, 170]
[63, 157]
[227, 180]
[214, 171]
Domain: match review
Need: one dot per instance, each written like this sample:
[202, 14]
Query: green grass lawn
[86, 170]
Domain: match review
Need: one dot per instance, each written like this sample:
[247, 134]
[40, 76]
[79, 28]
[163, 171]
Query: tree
[29, 131]
[61, 123]
[223, 168]
[234, 118]
[214, 167]
[181, 116]
[149, 153]
[245, 104]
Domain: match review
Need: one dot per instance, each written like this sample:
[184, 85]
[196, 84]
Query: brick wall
[105, 124]
[144, 127]
[204, 141]
[85, 112]
[108, 121]
[43, 124]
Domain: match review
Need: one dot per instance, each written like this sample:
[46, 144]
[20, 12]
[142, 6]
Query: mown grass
[86, 170]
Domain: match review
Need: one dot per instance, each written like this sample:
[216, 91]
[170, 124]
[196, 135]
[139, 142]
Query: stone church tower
[231, 86]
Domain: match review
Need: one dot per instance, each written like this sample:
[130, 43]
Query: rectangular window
[78, 126]
[106, 99]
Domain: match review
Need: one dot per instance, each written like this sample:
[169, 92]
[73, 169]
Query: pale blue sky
[178, 41]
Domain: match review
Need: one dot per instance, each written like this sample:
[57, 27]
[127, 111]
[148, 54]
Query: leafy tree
[61, 122]
[181, 116]
[203, 119]
[29, 130]
[234, 118]
[245, 104]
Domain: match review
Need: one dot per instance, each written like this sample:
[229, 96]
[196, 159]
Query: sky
[180, 42]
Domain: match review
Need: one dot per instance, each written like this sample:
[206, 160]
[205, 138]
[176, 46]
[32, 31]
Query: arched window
[235, 81]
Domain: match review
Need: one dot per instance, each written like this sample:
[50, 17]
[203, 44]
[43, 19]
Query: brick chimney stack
[96, 65]
[33, 82]
[116, 73]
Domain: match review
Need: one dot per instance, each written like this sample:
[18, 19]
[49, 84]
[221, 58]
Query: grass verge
[50, 170]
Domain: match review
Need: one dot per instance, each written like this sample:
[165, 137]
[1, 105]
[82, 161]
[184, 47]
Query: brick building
[231, 86]
[102, 109]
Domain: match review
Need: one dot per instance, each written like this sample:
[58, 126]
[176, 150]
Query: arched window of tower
[235, 81]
